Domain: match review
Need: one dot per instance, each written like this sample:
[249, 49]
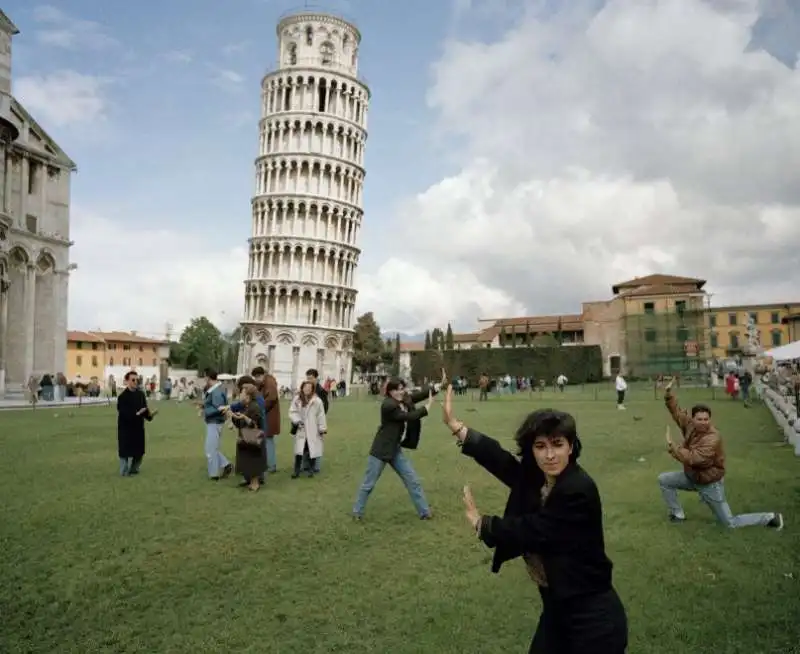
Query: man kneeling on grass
[703, 459]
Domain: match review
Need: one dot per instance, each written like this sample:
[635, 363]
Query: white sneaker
[620, 407]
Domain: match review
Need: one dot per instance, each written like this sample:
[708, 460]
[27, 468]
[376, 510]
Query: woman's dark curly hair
[550, 423]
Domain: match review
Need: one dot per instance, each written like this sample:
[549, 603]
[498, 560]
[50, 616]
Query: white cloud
[63, 31]
[179, 57]
[226, 78]
[234, 49]
[141, 278]
[64, 97]
[645, 138]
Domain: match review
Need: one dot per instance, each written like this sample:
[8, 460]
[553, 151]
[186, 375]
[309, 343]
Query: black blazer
[414, 427]
[394, 418]
[322, 394]
[566, 532]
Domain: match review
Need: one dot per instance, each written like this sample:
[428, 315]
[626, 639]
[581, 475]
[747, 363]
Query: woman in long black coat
[132, 411]
[554, 521]
[251, 460]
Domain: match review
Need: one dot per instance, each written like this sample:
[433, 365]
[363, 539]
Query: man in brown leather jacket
[703, 457]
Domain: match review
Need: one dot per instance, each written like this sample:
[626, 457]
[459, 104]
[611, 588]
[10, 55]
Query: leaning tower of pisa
[307, 209]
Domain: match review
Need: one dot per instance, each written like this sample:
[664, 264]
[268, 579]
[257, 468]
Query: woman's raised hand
[429, 403]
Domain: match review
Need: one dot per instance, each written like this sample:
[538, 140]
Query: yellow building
[86, 356]
[100, 354]
[777, 324]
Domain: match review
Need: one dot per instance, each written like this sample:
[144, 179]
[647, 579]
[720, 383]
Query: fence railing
[785, 411]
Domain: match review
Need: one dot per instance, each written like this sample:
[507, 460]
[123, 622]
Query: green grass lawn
[170, 562]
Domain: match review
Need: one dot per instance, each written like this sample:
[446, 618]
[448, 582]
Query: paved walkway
[19, 403]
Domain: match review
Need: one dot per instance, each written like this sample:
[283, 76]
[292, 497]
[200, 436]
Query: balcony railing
[316, 62]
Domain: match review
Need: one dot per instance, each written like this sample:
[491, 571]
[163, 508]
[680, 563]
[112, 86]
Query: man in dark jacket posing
[396, 414]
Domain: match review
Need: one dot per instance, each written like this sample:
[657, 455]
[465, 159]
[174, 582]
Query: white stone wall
[34, 246]
[307, 209]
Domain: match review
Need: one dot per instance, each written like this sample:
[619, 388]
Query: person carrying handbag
[251, 457]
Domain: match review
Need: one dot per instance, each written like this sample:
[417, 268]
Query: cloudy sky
[523, 155]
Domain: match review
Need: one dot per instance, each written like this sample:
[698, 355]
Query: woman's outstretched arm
[486, 451]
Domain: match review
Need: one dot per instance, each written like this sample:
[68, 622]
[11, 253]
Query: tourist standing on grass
[132, 411]
[312, 375]
[214, 401]
[386, 448]
[483, 385]
[622, 387]
[554, 521]
[268, 387]
[703, 457]
[251, 455]
[241, 407]
[309, 427]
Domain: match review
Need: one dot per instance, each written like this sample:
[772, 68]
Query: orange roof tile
[83, 337]
[658, 280]
[127, 337]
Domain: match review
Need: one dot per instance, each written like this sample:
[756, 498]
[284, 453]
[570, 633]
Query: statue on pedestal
[752, 347]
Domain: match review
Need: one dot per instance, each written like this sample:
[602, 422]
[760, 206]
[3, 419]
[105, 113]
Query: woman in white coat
[307, 415]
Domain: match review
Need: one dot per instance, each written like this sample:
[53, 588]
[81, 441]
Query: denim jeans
[713, 495]
[216, 460]
[272, 464]
[402, 466]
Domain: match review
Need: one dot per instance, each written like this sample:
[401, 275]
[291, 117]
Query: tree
[545, 340]
[387, 356]
[368, 345]
[527, 334]
[397, 353]
[428, 343]
[230, 351]
[503, 338]
[449, 343]
[201, 345]
[559, 334]
[513, 336]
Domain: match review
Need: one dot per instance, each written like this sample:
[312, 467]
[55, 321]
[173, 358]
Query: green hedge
[580, 363]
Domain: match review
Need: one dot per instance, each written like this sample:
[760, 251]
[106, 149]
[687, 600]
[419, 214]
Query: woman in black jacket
[554, 521]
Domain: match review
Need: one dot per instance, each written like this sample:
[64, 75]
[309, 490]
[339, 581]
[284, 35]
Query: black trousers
[596, 624]
[620, 397]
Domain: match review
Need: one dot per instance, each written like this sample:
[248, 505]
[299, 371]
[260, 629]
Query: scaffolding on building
[668, 342]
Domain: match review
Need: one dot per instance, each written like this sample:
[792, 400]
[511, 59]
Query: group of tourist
[553, 518]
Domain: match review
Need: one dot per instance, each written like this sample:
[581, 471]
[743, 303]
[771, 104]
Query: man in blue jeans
[386, 448]
[214, 401]
[703, 459]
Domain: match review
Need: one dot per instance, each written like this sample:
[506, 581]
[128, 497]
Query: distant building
[776, 324]
[658, 324]
[99, 355]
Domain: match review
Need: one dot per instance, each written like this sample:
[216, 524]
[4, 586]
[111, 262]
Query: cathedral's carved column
[30, 313]
[4, 287]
